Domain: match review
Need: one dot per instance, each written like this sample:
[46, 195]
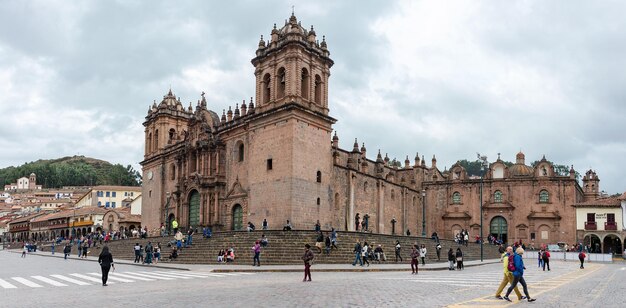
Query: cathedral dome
[520, 170]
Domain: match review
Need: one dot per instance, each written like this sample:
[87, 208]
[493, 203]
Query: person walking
[398, 250]
[357, 222]
[175, 226]
[179, 239]
[67, 250]
[423, 254]
[546, 260]
[518, 275]
[459, 258]
[581, 257]
[265, 226]
[539, 258]
[80, 248]
[333, 238]
[451, 259]
[256, 249]
[319, 241]
[508, 275]
[106, 263]
[137, 250]
[364, 253]
[438, 250]
[24, 250]
[357, 253]
[307, 258]
[52, 247]
[149, 253]
[414, 262]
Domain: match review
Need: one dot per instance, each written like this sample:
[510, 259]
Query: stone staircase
[287, 247]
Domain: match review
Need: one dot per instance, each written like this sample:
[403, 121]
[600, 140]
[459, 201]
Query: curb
[117, 262]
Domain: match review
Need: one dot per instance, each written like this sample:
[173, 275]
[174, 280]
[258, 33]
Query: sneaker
[523, 297]
[532, 299]
[499, 297]
[507, 298]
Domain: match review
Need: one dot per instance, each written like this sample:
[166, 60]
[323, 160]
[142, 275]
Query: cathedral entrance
[194, 208]
[237, 217]
[498, 228]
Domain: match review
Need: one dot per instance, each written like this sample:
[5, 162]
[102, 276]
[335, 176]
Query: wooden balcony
[610, 226]
[591, 225]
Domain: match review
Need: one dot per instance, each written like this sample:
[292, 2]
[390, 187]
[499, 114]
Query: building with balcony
[601, 225]
[108, 196]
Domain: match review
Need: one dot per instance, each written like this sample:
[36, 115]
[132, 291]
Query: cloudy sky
[449, 78]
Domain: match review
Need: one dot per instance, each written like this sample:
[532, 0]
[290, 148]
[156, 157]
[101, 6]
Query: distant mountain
[73, 171]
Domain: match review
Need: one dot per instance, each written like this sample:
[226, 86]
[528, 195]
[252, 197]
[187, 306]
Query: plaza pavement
[39, 281]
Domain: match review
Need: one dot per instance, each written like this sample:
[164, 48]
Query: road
[37, 281]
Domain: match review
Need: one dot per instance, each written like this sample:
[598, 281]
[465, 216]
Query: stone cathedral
[276, 157]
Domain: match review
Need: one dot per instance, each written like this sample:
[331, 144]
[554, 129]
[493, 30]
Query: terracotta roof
[25, 218]
[601, 202]
[123, 188]
[622, 197]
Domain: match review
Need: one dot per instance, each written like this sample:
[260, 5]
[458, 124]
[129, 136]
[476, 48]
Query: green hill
[73, 171]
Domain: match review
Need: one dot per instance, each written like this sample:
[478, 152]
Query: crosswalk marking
[49, 281]
[6, 284]
[165, 275]
[150, 276]
[87, 277]
[68, 279]
[129, 276]
[184, 274]
[26, 282]
[111, 277]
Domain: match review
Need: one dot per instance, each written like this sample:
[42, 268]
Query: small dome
[520, 170]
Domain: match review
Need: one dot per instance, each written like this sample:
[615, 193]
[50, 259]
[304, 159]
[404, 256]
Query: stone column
[216, 209]
[351, 221]
[404, 225]
[381, 206]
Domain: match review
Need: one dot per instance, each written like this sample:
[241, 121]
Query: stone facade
[277, 160]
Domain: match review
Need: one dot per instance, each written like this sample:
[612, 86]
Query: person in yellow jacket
[174, 226]
[508, 276]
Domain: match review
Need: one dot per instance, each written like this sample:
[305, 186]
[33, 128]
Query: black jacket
[105, 259]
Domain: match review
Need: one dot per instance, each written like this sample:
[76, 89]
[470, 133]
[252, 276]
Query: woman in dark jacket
[451, 259]
[459, 259]
[106, 262]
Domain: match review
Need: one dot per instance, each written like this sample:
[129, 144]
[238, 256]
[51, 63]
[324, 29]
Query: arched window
[497, 196]
[240, 151]
[544, 196]
[318, 89]
[266, 88]
[281, 82]
[319, 176]
[149, 143]
[172, 171]
[304, 84]
[456, 197]
[318, 201]
[172, 134]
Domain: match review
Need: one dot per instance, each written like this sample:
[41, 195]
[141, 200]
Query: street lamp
[424, 212]
[483, 165]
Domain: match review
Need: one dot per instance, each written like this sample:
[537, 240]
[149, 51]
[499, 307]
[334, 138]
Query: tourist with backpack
[517, 268]
[545, 257]
[507, 259]
[256, 249]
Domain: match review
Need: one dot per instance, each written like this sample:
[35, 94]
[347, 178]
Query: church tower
[288, 169]
[293, 66]
[591, 185]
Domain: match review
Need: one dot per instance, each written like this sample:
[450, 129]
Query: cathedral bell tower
[292, 67]
[591, 185]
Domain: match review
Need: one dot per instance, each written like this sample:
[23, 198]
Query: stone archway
[237, 223]
[593, 242]
[194, 209]
[498, 227]
[612, 244]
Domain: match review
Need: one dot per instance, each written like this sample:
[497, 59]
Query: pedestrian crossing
[94, 278]
[462, 279]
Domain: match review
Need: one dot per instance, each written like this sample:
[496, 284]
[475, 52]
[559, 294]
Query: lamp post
[424, 212]
[483, 165]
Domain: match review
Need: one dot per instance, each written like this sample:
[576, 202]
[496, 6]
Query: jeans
[357, 256]
[256, 260]
[582, 262]
[508, 278]
[307, 271]
[546, 262]
[521, 280]
[105, 273]
[540, 261]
